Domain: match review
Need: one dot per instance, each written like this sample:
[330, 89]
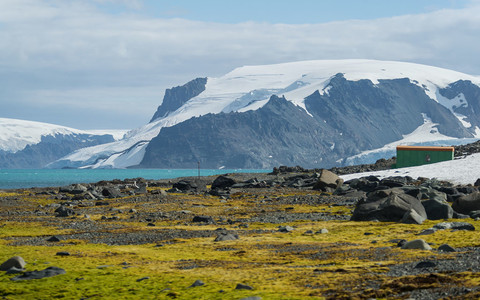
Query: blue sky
[98, 64]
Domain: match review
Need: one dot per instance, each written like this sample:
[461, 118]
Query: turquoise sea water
[16, 179]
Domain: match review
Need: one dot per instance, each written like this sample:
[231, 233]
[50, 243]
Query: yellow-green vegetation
[350, 261]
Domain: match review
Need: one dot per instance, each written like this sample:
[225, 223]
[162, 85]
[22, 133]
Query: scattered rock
[417, 244]
[197, 283]
[226, 236]
[63, 253]
[412, 217]
[438, 210]
[64, 211]
[203, 219]
[53, 239]
[143, 278]
[285, 228]
[446, 248]
[241, 286]
[48, 272]
[467, 203]
[327, 180]
[16, 261]
[222, 182]
[390, 209]
[454, 226]
[322, 231]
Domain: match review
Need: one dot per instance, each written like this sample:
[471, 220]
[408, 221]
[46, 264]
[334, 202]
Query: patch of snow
[458, 171]
[425, 134]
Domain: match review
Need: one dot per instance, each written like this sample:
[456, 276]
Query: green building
[408, 156]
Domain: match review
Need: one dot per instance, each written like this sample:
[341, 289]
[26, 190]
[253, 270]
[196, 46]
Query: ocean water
[20, 178]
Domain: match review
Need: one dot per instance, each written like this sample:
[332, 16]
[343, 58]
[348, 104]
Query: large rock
[14, 262]
[417, 244]
[223, 182]
[390, 209]
[467, 203]
[437, 210]
[327, 180]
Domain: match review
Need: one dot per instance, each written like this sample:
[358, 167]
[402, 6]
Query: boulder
[16, 262]
[185, 186]
[327, 180]
[64, 211]
[223, 182]
[417, 244]
[412, 217]
[454, 226]
[226, 236]
[390, 209]
[437, 210]
[467, 203]
[111, 192]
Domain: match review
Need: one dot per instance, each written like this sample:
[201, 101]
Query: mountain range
[33, 145]
[310, 113]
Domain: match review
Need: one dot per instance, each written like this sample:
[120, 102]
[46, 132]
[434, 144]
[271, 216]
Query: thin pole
[198, 163]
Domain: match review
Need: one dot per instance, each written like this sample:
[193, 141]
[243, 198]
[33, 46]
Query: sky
[105, 64]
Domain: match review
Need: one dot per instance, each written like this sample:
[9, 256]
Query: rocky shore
[290, 234]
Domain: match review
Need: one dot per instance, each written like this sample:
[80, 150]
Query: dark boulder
[64, 211]
[437, 210]
[223, 182]
[185, 186]
[112, 192]
[467, 203]
[390, 209]
[16, 262]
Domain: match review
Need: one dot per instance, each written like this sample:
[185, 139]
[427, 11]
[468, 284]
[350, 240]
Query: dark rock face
[351, 117]
[469, 106]
[49, 149]
[267, 137]
[175, 97]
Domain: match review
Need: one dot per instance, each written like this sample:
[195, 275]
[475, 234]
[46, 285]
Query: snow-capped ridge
[16, 134]
[250, 87]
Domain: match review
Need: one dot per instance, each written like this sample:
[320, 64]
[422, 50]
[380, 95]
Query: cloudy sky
[104, 64]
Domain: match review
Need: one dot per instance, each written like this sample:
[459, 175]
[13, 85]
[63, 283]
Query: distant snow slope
[459, 171]
[250, 87]
[16, 134]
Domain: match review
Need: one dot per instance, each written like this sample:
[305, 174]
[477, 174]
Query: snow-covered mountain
[28, 144]
[325, 112]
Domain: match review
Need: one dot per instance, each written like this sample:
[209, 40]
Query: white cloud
[60, 46]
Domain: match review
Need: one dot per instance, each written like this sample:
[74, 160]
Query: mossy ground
[351, 261]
